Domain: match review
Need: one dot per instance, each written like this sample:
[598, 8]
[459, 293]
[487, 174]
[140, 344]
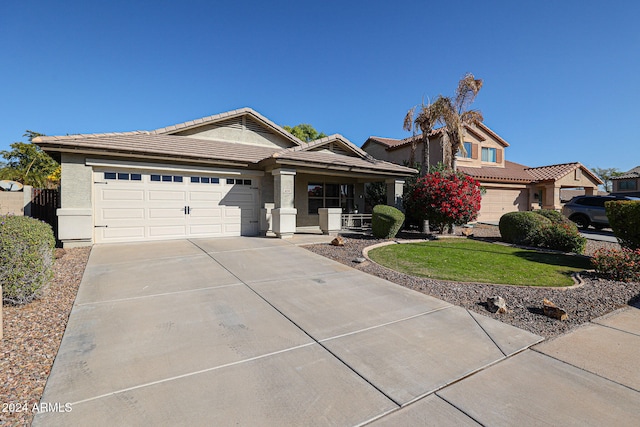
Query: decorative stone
[467, 231]
[338, 241]
[360, 260]
[496, 304]
[551, 310]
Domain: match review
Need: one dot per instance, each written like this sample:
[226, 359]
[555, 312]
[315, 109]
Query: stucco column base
[284, 222]
[75, 227]
[266, 221]
[330, 220]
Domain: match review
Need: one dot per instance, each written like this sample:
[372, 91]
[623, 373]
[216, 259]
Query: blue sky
[561, 77]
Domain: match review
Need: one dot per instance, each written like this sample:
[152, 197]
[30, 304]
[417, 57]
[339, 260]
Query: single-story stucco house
[628, 183]
[509, 186]
[231, 174]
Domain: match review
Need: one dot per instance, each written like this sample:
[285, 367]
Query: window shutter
[474, 151]
[498, 156]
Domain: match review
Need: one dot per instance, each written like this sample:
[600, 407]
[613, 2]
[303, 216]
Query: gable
[241, 129]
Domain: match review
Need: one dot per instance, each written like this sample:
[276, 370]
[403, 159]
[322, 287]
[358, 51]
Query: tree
[453, 113]
[304, 132]
[605, 174]
[28, 164]
[444, 199]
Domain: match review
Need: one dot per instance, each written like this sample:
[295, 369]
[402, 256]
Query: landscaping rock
[551, 310]
[360, 260]
[496, 304]
[338, 241]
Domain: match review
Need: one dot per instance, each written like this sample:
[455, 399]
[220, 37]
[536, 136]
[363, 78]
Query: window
[489, 154]
[238, 181]
[328, 195]
[166, 178]
[627, 184]
[121, 176]
[467, 155]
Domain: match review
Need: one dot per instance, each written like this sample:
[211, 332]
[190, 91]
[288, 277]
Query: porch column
[589, 191]
[395, 189]
[284, 214]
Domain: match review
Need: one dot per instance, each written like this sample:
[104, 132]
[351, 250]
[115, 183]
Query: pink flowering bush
[444, 198]
[618, 264]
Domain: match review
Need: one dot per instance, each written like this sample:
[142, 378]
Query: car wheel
[581, 221]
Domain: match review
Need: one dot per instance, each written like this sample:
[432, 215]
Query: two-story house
[628, 183]
[509, 186]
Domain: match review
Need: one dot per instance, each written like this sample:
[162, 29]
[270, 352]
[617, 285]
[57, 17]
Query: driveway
[257, 331]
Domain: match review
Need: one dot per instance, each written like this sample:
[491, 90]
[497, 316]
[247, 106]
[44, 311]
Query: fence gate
[44, 203]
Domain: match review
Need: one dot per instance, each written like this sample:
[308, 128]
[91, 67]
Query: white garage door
[498, 201]
[137, 206]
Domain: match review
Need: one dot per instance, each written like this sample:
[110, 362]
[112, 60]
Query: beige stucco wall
[402, 155]
[76, 182]
[243, 130]
[488, 142]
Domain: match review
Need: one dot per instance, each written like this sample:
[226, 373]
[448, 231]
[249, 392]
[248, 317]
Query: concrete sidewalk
[255, 331]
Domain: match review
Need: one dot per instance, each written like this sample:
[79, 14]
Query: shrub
[544, 229]
[444, 198]
[553, 216]
[522, 228]
[624, 218]
[386, 221]
[26, 257]
[617, 264]
[561, 237]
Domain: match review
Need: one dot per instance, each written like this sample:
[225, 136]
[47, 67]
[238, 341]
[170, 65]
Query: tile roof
[512, 172]
[633, 173]
[552, 172]
[555, 172]
[392, 143]
[515, 172]
[331, 138]
[336, 161]
[145, 144]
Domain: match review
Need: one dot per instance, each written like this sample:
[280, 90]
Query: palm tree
[456, 115]
[453, 113]
[426, 119]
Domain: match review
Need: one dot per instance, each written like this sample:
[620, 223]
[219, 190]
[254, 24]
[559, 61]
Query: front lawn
[464, 260]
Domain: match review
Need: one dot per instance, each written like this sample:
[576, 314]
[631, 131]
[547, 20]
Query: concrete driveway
[256, 331]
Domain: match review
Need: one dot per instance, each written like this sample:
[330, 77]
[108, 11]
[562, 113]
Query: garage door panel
[109, 194]
[121, 213]
[168, 231]
[166, 213]
[163, 195]
[208, 196]
[213, 213]
[499, 201]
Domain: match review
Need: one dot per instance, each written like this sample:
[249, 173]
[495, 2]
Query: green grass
[463, 260]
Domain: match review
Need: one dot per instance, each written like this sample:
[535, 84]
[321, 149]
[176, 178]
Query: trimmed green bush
[26, 258]
[553, 216]
[624, 218]
[544, 229]
[386, 221]
[522, 228]
[562, 237]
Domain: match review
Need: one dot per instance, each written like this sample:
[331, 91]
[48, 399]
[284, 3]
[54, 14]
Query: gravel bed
[32, 335]
[594, 298]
